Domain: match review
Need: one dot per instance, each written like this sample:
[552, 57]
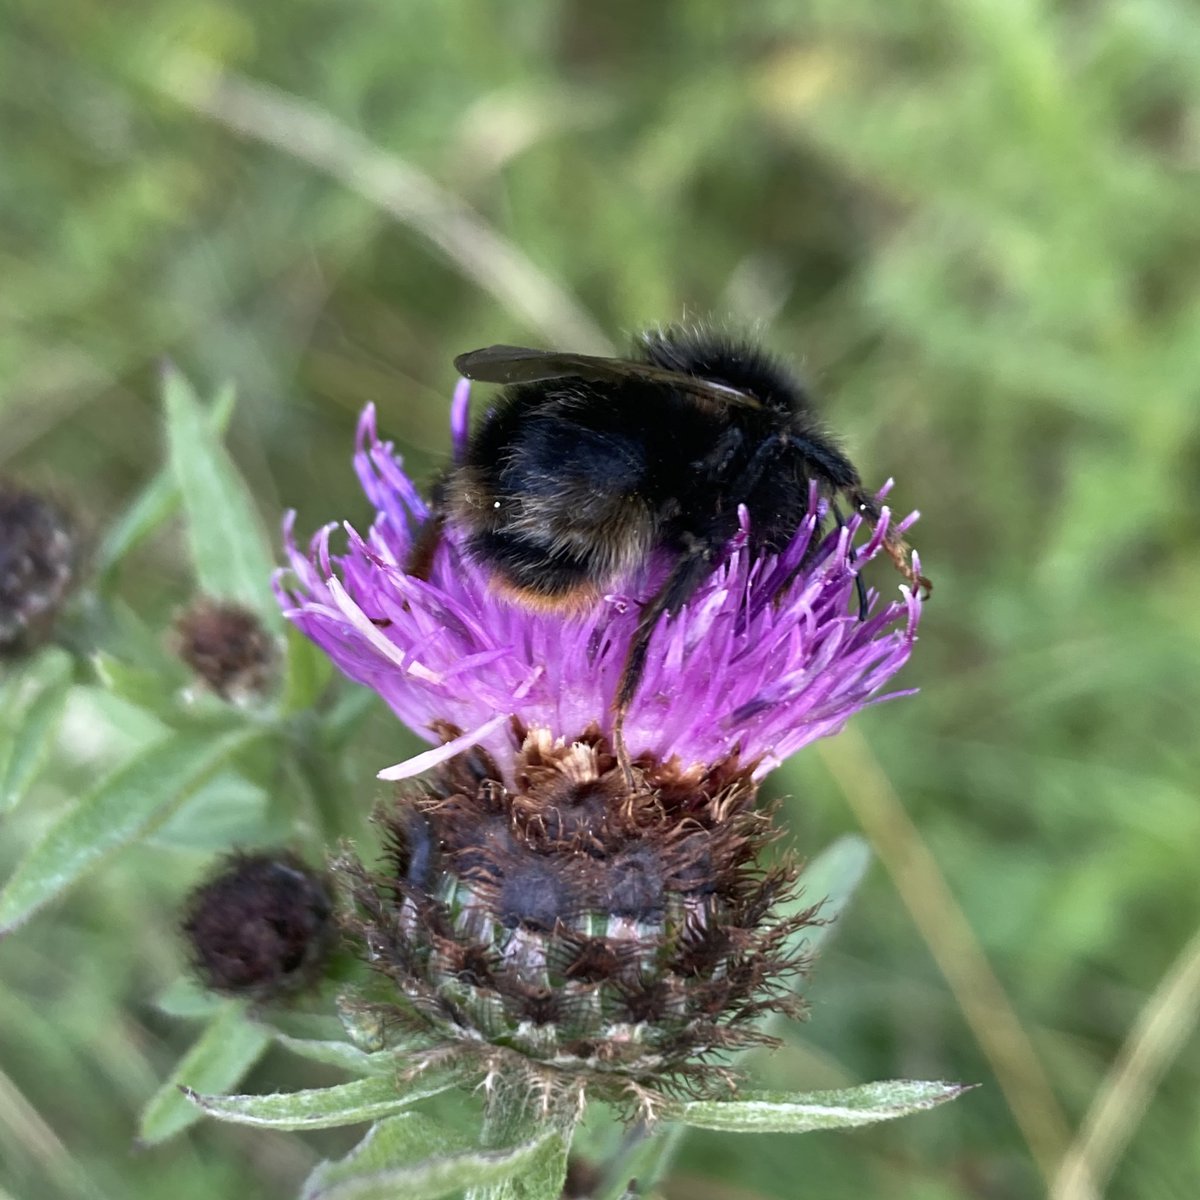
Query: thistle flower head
[569, 927]
[767, 655]
[536, 906]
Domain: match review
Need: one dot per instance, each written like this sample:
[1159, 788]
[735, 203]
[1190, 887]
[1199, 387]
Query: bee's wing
[518, 364]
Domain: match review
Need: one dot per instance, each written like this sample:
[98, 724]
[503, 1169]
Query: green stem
[517, 1112]
[645, 1156]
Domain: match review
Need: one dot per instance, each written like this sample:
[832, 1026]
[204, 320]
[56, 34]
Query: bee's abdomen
[530, 565]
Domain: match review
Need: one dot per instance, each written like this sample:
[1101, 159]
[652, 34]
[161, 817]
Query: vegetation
[973, 224]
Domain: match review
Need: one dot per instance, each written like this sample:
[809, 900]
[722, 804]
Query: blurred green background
[975, 224]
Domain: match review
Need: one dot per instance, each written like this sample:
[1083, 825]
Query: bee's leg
[622, 751]
[859, 586]
[691, 568]
[894, 545]
[900, 552]
[424, 547]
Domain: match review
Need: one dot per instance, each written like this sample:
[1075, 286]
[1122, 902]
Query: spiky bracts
[584, 933]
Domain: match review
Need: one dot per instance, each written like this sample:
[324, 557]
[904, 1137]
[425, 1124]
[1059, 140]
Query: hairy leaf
[802, 1112]
[134, 799]
[231, 553]
[31, 710]
[220, 1057]
[323, 1108]
[341, 1054]
[410, 1156]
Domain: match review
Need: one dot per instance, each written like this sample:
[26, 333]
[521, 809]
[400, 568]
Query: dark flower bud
[228, 648]
[40, 553]
[262, 927]
[575, 930]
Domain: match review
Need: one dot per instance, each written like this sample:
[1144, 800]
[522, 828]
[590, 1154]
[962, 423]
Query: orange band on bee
[576, 600]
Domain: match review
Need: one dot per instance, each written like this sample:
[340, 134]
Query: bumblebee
[585, 466]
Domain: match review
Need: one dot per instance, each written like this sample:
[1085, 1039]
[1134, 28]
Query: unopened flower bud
[39, 562]
[228, 648]
[262, 927]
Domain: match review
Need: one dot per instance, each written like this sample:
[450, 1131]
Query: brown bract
[589, 933]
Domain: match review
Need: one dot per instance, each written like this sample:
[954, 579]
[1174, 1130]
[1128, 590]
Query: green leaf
[158, 501]
[308, 672]
[341, 1054]
[647, 1162]
[121, 727]
[231, 553]
[157, 691]
[219, 1059]
[30, 721]
[186, 998]
[835, 875]
[539, 1178]
[227, 810]
[412, 1157]
[133, 800]
[323, 1108]
[393, 1143]
[802, 1112]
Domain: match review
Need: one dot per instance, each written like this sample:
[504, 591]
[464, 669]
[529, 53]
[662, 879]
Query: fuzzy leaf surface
[412, 1157]
[323, 1108]
[803, 1112]
[340, 1054]
[540, 1178]
[33, 707]
[230, 550]
[220, 1057]
[134, 799]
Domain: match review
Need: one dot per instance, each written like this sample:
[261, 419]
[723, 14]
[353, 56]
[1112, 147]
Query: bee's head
[725, 358]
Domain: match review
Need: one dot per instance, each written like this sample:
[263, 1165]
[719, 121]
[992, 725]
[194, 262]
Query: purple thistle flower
[535, 914]
[768, 655]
